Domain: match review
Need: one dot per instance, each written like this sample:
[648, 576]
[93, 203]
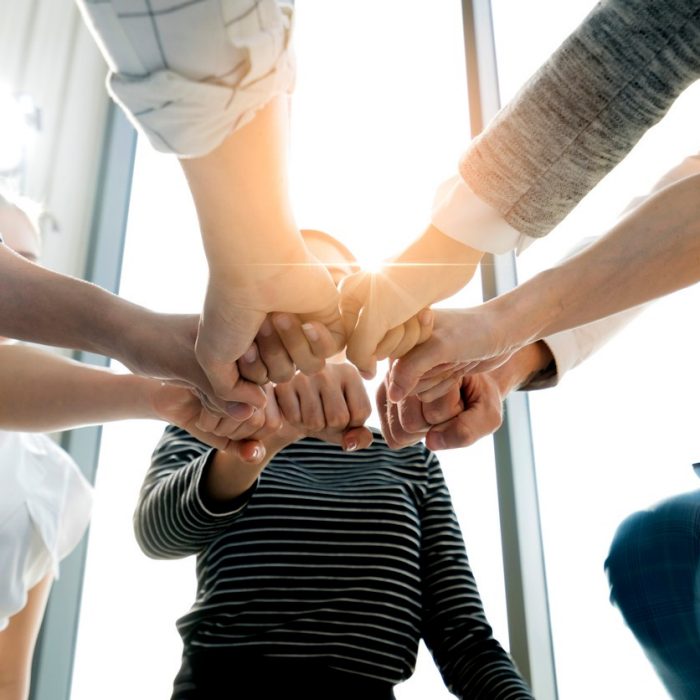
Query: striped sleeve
[472, 663]
[172, 519]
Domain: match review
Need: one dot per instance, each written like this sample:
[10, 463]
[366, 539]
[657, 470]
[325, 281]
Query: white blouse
[45, 504]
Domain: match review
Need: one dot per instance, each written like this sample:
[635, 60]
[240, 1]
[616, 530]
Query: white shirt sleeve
[188, 74]
[463, 216]
[570, 348]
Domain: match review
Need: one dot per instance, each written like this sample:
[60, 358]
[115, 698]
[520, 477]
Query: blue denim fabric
[653, 573]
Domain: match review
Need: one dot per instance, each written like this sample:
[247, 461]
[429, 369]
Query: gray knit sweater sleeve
[584, 109]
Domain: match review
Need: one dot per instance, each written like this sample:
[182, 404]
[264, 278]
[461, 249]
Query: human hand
[470, 409]
[182, 407]
[404, 423]
[234, 314]
[162, 346]
[376, 306]
[331, 405]
[251, 446]
[284, 344]
[463, 341]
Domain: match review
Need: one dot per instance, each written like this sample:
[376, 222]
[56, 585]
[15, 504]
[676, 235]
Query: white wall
[47, 52]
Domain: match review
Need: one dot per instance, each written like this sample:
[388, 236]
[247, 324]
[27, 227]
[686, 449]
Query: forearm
[227, 477]
[256, 225]
[42, 306]
[653, 251]
[472, 662]
[45, 392]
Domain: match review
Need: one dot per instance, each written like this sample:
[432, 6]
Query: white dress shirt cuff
[570, 348]
[466, 218]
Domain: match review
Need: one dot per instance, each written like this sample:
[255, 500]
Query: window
[621, 431]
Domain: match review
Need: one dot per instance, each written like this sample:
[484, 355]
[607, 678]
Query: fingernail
[250, 354]
[239, 411]
[351, 445]
[258, 453]
[310, 332]
[437, 441]
[283, 322]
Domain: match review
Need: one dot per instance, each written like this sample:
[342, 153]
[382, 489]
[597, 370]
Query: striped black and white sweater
[347, 559]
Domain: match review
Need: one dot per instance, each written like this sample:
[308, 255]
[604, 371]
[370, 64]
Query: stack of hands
[277, 384]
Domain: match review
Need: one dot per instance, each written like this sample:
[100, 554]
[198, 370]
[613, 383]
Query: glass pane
[374, 133]
[620, 432]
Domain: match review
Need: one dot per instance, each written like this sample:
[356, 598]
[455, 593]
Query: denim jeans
[653, 569]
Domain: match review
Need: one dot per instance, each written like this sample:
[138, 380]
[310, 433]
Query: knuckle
[339, 418]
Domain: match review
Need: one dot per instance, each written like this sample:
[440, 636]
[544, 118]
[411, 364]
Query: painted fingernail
[283, 322]
[351, 445]
[310, 332]
[239, 411]
[250, 354]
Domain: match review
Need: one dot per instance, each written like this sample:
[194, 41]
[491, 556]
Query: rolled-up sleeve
[190, 72]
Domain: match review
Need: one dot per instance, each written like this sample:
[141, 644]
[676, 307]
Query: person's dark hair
[307, 233]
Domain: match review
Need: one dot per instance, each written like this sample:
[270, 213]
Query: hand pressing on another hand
[182, 407]
[470, 408]
[463, 341]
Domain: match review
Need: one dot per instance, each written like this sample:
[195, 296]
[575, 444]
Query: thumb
[249, 451]
[357, 439]
[370, 329]
[407, 371]
[219, 344]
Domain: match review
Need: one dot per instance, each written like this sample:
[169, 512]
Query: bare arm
[44, 392]
[654, 250]
[211, 86]
[42, 306]
[651, 252]
[257, 259]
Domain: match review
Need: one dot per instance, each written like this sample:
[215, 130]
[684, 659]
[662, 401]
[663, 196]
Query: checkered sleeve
[190, 72]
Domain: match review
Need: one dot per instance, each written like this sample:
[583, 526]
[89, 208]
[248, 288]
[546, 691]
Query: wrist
[227, 476]
[523, 367]
[435, 247]
[119, 332]
[517, 318]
